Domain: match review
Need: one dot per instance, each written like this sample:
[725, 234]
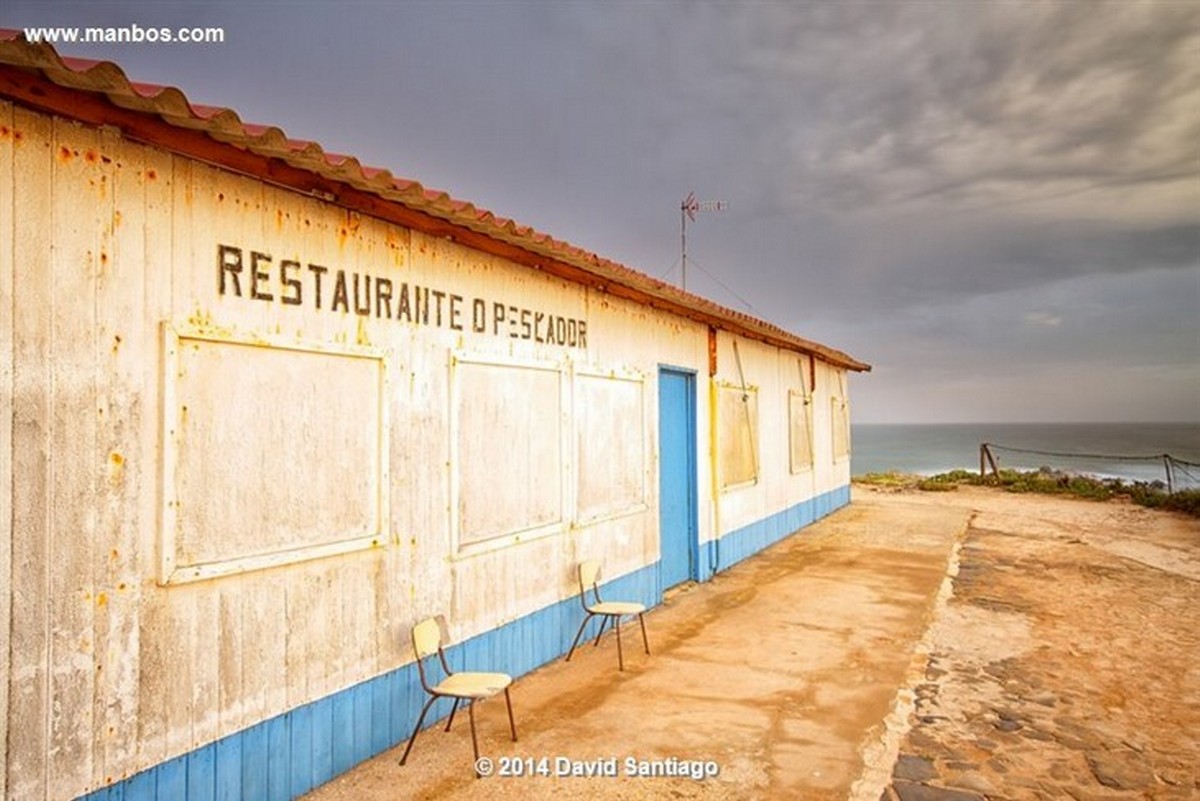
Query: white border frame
[170, 572]
[807, 400]
[757, 444]
[632, 376]
[460, 550]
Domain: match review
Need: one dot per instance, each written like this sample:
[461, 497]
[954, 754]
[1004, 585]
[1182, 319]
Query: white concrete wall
[7, 186]
[770, 374]
[143, 626]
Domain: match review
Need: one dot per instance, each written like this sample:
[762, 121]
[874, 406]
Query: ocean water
[929, 449]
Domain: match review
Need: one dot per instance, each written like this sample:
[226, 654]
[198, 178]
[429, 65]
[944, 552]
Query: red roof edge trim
[99, 93]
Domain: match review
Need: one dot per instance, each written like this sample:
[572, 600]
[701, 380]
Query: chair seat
[617, 608]
[473, 685]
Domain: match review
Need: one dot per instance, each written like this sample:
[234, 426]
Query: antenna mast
[687, 211]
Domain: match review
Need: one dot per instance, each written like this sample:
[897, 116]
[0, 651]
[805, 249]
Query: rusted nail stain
[64, 153]
[151, 175]
[91, 156]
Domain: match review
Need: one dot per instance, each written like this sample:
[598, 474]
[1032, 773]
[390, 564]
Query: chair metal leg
[645, 641]
[453, 709]
[511, 723]
[578, 635]
[603, 622]
[474, 740]
[620, 657]
[417, 728]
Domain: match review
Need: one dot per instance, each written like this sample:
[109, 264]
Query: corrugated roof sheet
[105, 79]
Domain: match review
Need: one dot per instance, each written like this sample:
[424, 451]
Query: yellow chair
[607, 611]
[463, 686]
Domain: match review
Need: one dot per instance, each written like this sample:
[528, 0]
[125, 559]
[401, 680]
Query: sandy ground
[951, 646]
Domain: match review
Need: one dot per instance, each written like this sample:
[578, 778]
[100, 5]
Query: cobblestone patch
[1059, 670]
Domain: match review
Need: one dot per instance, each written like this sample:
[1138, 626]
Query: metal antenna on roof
[687, 211]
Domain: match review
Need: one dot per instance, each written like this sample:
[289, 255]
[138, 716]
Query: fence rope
[1171, 464]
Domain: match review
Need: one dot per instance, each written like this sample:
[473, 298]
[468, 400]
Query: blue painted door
[677, 476]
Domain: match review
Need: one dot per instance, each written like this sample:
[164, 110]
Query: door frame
[690, 468]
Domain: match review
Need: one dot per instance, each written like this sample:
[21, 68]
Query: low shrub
[1151, 494]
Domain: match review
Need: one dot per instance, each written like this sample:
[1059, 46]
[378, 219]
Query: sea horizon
[1131, 451]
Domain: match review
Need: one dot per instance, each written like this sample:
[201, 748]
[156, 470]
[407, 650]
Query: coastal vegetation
[1152, 494]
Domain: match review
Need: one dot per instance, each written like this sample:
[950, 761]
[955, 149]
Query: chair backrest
[426, 637]
[427, 641]
[589, 573]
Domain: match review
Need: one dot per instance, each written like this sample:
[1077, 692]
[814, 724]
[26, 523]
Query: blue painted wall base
[291, 754]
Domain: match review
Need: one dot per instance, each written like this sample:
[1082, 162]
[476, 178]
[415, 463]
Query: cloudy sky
[995, 204]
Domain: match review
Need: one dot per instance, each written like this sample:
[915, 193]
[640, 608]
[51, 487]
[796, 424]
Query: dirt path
[775, 672]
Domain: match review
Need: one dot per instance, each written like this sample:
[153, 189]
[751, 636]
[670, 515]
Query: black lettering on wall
[229, 262]
[383, 297]
[296, 296]
[363, 308]
[300, 283]
[438, 296]
[317, 271]
[257, 275]
[421, 299]
[340, 294]
[479, 315]
[404, 309]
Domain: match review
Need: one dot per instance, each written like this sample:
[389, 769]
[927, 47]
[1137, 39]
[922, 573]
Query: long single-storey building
[262, 408]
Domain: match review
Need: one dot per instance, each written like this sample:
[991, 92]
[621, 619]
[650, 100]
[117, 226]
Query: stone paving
[1065, 664]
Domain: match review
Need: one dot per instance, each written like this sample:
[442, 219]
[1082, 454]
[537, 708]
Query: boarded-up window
[737, 433]
[799, 431]
[508, 449]
[840, 418]
[272, 453]
[611, 445]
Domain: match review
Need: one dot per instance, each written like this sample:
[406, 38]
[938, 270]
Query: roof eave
[99, 93]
